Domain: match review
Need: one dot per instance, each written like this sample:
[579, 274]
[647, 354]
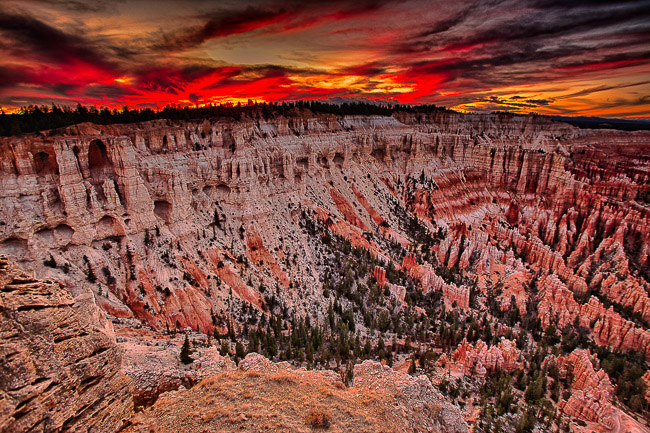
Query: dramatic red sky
[549, 56]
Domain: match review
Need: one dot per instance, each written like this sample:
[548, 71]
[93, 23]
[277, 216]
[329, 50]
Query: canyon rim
[324, 216]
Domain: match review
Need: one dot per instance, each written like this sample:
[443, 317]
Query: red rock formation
[575, 196]
[227, 273]
[429, 280]
[591, 399]
[512, 215]
[380, 275]
[364, 202]
[558, 306]
[477, 359]
[346, 209]
[260, 256]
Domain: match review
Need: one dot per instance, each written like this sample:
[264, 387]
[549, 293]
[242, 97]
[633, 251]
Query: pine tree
[186, 352]
[225, 348]
[240, 352]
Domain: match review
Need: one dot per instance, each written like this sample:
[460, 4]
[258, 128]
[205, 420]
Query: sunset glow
[544, 56]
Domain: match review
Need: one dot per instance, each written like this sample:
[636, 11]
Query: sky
[556, 57]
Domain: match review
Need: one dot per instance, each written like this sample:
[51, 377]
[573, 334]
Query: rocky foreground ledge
[61, 371]
[264, 396]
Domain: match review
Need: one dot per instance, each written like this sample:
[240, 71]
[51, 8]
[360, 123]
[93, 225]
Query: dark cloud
[195, 97]
[515, 103]
[564, 19]
[590, 90]
[80, 5]
[446, 24]
[10, 76]
[171, 79]
[369, 70]
[111, 92]
[46, 42]
[610, 61]
[462, 52]
[221, 24]
[280, 16]
[539, 102]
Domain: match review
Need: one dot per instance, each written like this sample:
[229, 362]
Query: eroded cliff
[215, 224]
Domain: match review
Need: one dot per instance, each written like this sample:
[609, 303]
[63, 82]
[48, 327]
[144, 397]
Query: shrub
[284, 378]
[318, 418]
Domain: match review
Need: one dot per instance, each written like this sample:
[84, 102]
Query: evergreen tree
[186, 352]
[225, 348]
[240, 352]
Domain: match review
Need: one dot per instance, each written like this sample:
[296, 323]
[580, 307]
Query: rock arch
[106, 227]
[303, 163]
[59, 236]
[45, 164]
[100, 168]
[222, 191]
[379, 154]
[97, 156]
[338, 159]
[322, 160]
[63, 233]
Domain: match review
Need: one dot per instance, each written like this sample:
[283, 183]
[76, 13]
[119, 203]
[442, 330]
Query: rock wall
[61, 366]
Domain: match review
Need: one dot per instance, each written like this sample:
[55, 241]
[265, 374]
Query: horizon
[528, 56]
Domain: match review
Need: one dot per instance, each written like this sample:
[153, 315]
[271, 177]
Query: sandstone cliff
[592, 391]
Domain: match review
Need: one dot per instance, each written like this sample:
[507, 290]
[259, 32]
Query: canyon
[519, 228]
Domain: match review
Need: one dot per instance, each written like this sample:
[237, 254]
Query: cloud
[222, 24]
[79, 5]
[277, 17]
[469, 52]
[602, 88]
[32, 38]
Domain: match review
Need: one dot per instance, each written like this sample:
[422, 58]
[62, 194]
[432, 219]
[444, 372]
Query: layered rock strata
[61, 366]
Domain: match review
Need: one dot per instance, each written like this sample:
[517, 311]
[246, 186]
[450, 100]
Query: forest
[42, 118]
